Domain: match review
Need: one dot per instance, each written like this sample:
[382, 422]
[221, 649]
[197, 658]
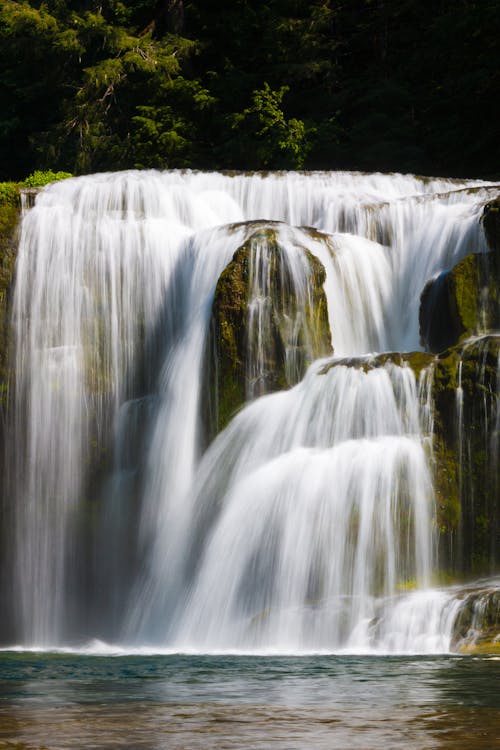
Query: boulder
[269, 321]
[459, 303]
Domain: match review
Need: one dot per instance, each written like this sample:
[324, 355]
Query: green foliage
[162, 134]
[265, 134]
[32, 40]
[367, 84]
[39, 178]
[9, 193]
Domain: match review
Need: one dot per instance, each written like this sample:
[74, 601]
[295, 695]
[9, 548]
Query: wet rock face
[459, 303]
[9, 223]
[476, 629]
[465, 400]
[269, 321]
[464, 300]
[491, 223]
[10, 212]
[457, 310]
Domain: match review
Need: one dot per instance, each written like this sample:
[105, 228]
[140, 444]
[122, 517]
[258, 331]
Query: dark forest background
[407, 85]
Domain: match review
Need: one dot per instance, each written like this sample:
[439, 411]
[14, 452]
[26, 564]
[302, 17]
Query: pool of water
[183, 701]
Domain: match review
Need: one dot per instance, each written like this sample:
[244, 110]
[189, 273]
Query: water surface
[62, 701]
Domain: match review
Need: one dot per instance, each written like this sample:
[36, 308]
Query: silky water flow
[302, 526]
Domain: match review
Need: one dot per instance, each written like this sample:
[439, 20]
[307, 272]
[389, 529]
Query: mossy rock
[491, 223]
[287, 337]
[463, 386]
[417, 361]
[10, 212]
[467, 471]
[459, 303]
[476, 629]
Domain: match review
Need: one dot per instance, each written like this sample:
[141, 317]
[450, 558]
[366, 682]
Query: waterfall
[307, 520]
[326, 511]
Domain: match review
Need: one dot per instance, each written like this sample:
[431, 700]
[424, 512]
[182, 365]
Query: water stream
[308, 524]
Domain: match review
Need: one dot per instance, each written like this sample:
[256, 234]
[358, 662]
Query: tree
[264, 138]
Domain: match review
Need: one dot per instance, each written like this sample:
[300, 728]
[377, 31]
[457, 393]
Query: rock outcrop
[476, 629]
[269, 321]
[466, 392]
[491, 224]
[458, 310]
[460, 303]
[10, 211]
[462, 387]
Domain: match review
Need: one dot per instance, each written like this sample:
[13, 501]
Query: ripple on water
[61, 702]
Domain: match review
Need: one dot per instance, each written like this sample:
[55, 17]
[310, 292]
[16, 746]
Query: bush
[9, 193]
[39, 178]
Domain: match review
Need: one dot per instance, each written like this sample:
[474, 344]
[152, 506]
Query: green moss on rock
[10, 211]
[228, 337]
[294, 336]
[448, 505]
[476, 629]
[458, 304]
[464, 396]
[465, 455]
[465, 280]
[418, 361]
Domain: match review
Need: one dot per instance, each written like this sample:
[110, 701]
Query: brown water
[169, 702]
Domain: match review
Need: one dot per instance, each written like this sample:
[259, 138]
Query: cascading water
[324, 510]
[305, 518]
[280, 294]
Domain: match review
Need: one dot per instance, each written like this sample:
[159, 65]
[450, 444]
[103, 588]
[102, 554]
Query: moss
[228, 334]
[444, 448]
[448, 505]
[9, 220]
[466, 461]
[464, 293]
[451, 306]
[464, 458]
[444, 455]
[408, 584]
[485, 646]
[418, 361]
[10, 211]
[476, 629]
[293, 337]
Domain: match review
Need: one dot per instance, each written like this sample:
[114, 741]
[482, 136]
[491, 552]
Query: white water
[301, 523]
